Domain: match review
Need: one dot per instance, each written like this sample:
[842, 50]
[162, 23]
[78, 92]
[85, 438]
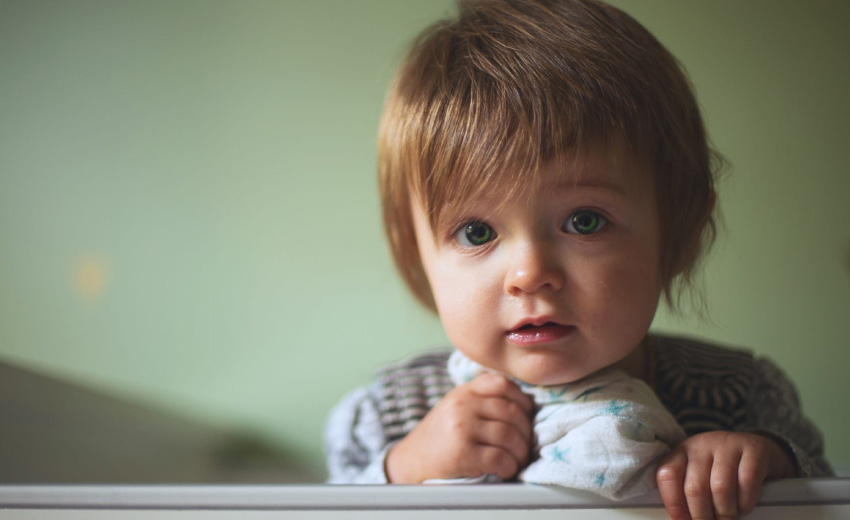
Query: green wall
[189, 217]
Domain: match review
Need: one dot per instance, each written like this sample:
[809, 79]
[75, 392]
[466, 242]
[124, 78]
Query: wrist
[397, 467]
[783, 460]
[786, 462]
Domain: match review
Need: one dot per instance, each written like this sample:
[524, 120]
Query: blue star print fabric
[605, 433]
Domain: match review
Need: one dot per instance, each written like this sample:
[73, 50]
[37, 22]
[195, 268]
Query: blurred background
[192, 267]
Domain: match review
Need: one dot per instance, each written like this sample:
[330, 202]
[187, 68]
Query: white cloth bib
[605, 433]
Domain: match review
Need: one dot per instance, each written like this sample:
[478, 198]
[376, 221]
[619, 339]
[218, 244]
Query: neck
[635, 364]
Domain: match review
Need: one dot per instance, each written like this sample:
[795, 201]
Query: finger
[670, 478]
[751, 474]
[505, 410]
[489, 460]
[724, 484]
[698, 486]
[492, 385]
[505, 436]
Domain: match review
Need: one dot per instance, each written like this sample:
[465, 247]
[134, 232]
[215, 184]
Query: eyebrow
[599, 184]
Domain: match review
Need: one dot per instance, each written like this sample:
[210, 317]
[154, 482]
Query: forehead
[611, 169]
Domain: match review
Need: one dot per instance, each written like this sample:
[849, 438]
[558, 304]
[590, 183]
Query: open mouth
[529, 335]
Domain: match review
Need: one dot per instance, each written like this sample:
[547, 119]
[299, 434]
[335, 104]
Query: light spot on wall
[91, 277]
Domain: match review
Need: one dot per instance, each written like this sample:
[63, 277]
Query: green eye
[475, 234]
[585, 222]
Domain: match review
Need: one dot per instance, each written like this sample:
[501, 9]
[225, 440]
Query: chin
[542, 371]
[545, 379]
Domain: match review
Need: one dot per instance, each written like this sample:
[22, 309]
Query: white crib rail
[797, 498]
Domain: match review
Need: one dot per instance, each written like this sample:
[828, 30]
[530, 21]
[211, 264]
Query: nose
[534, 267]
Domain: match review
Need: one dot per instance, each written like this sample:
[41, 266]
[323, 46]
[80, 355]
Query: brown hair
[486, 98]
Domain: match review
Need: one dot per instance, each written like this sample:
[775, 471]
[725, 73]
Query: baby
[546, 179]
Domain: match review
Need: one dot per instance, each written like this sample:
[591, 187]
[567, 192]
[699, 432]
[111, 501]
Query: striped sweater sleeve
[713, 388]
[368, 422]
[354, 440]
[775, 411]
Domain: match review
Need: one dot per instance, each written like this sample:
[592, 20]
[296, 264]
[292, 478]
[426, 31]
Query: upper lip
[536, 322]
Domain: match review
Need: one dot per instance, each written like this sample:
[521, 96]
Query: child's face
[555, 286]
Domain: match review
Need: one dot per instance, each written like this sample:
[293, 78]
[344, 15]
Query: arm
[355, 444]
[721, 473]
[479, 428]
[776, 414]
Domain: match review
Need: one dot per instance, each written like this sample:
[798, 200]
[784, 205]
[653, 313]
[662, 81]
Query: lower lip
[532, 336]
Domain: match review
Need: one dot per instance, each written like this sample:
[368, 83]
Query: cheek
[464, 300]
[638, 286]
[623, 288]
[452, 292]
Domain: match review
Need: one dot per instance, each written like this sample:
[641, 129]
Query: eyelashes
[585, 222]
[476, 232]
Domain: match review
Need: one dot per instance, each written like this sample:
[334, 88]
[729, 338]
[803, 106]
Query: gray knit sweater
[705, 387]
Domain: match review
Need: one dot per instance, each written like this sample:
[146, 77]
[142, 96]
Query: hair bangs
[491, 123]
[485, 99]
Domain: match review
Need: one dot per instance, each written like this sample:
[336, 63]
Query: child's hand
[479, 428]
[719, 474]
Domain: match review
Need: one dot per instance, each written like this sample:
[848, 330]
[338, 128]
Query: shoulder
[429, 362]
[410, 388]
[674, 358]
[364, 406]
[367, 420]
[706, 386]
[689, 353]
[770, 376]
[420, 373]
